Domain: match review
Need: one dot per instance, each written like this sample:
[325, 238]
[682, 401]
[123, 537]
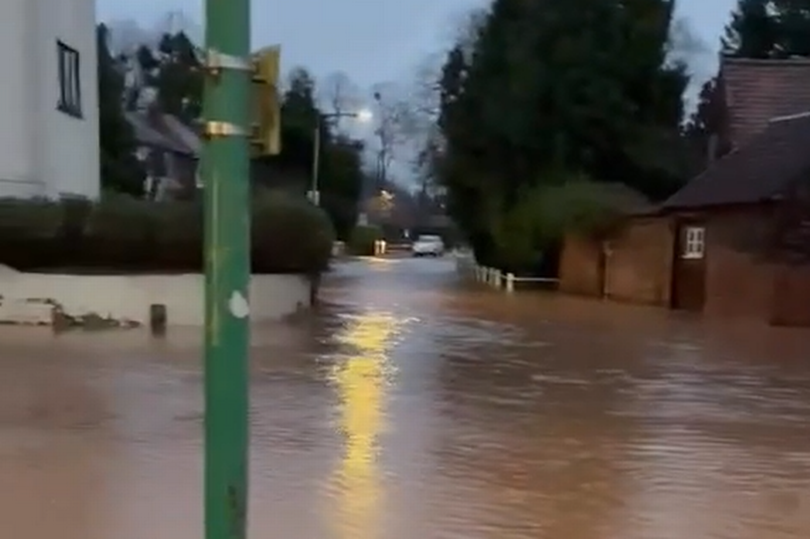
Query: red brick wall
[579, 266]
[737, 283]
[639, 263]
[790, 304]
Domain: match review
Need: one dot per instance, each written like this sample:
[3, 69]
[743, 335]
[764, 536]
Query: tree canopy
[120, 170]
[768, 29]
[544, 92]
[175, 71]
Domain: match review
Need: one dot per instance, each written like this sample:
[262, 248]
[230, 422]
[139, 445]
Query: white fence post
[498, 278]
[510, 282]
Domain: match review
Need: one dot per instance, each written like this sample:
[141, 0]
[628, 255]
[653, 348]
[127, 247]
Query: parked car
[428, 245]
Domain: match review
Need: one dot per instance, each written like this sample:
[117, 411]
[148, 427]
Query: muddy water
[413, 407]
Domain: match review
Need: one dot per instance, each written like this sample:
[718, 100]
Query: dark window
[70, 91]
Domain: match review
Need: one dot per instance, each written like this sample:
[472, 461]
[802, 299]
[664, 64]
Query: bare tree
[425, 100]
[338, 93]
[393, 118]
[340, 97]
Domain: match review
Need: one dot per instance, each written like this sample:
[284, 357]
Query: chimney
[711, 148]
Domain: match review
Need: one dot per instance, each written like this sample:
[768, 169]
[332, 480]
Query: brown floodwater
[413, 406]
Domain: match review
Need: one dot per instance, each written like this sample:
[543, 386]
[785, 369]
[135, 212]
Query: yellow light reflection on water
[361, 382]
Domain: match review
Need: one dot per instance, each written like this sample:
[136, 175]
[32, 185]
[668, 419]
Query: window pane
[61, 60]
[68, 79]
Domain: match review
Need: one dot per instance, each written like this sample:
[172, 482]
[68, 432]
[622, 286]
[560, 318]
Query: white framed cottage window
[70, 90]
[694, 242]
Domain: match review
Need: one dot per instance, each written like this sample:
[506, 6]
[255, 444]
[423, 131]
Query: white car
[428, 246]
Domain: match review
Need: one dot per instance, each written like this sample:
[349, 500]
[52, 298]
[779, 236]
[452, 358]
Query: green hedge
[361, 241]
[122, 234]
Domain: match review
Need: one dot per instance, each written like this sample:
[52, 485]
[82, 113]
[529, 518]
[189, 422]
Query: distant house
[169, 151]
[735, 241]
[49, 99]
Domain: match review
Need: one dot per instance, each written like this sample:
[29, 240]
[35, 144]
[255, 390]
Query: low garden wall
[126, 262]
[135, 300]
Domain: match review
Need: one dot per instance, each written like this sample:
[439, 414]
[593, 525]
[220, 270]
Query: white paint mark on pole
[238, 305]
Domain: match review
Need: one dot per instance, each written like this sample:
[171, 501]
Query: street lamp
[363, 116]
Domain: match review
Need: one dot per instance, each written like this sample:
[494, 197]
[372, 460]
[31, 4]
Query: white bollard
[498, 278]
[510, 282]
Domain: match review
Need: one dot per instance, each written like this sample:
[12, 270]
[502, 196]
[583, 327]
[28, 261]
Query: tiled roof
[182, 132]
[164, 131]
[758, 171]
[757, 90]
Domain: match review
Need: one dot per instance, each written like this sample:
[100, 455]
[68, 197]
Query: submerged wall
[129, 300]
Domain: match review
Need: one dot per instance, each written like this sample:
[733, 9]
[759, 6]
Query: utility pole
[226, 175]
[314, 193]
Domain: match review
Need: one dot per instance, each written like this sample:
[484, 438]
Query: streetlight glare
[364, 116]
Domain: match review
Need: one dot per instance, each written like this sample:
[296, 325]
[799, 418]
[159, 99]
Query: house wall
[579, 266]
[790, 305]
[30, 297]
[639, 262]
[739, 282]
[17, 176]
[43, 151]
[67, 148]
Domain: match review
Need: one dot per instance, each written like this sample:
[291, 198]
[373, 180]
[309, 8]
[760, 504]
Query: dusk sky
[382, 41]
[377, 40]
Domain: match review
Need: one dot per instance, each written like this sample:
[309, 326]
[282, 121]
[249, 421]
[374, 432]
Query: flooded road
[415, 407]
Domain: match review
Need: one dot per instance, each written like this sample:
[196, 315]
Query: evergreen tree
[753, 30]
[340, 172]
[180, 77]
[146, 60]
[552, 91]
[120, 170]
[706, 123]
[769, 29]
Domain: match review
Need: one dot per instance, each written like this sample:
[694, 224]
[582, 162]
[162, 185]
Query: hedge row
[122, 234]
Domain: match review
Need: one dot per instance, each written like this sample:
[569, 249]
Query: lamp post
[314, 194]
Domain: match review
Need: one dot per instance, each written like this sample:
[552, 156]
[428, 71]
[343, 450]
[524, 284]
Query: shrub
[361, 241]
[29, 230]
[290, 234]
[122, 235]
[119, 233]
[537, 223]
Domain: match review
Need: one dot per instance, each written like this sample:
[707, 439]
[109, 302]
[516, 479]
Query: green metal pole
[226, 173]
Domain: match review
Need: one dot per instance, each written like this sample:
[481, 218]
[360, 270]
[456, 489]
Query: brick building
[734, 241]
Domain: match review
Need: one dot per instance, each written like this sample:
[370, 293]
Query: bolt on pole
[225, 165]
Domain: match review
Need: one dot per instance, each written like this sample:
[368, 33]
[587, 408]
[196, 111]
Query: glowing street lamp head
[364, 116]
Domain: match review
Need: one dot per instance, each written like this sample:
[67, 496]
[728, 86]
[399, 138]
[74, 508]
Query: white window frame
[694, 242]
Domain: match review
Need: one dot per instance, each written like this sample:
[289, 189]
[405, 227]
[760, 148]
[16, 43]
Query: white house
[49, 99]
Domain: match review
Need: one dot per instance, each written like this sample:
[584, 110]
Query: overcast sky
[376, 40]
[381, 41]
